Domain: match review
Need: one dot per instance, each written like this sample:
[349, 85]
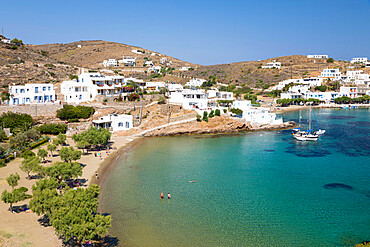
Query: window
[80, 96]
[49, 88]
[36, 89]
[16, 90]
[120, 124]
[43, 88]
[127, 125]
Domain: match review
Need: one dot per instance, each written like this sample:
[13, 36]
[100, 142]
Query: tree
[205, 116]
[93, 136]
[14, 120]
[51, 148]
[217, 112]
[68, 154]
[76, 217]
[83, 144]
[211, 114]
[29, 165]
[71, 77]
[60, 140]
[15, 196]
[330, 60]
[199, 118]
[44, 194]
[42, 153]
[64, 171]
[13, 180]
[27, 154]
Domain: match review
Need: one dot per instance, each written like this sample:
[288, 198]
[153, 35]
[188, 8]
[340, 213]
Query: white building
[195, 82]
[272, 65]
[148, 63]
[5, 40]
[114, 122]
[154, 85]
[155, 69]
[367, 64]
[256, 115]
[318, 56]
[31, 93]
[189, 99]
[174, 87]
[359, 60]
[311, 82]
[90, 85]
[165, 61]
[128, 61]
[138, 52]
[184, 68]
[332, 74]
[110, 62]
[351, 92]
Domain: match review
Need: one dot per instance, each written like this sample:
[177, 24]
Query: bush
[28, 154]
[205, 116]
[330, 60]
[14, 120]
[236, 111]
[217, 112]
[53, 128]
[199, 118]
[321, 88]
[225, 110]
[75, 112]
[211, 114]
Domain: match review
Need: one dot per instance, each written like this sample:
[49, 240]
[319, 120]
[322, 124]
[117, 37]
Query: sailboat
[309, 134]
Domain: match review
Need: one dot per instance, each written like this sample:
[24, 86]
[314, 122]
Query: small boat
[309, 134]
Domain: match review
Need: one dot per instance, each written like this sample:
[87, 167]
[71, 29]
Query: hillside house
[318, 56]
[89, 85]
[195, 82]
[359, 60]
[31, 93]
[155, 69]
[351, 92]
[332, 74]
[110, 62]
[128, 61]
[272, 65]
[114, 122]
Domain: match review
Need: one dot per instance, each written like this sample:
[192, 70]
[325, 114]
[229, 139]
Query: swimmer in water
[162, 195]
[168, 195]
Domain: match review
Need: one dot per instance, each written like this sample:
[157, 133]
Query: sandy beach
[24, 229]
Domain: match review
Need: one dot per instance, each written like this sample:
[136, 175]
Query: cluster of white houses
[353, 84]
[126, 61]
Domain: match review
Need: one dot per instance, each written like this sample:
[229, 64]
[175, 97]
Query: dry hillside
[92, 53]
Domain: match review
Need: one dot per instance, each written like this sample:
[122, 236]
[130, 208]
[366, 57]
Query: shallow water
[252, 189]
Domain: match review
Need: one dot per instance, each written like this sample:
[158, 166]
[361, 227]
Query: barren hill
[92, 53]
[251, 74]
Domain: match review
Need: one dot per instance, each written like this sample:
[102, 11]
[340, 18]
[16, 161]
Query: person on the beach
[168, 195]
[162, 195]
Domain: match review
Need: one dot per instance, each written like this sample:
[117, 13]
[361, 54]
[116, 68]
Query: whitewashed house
[195, 82]
[128, 61]
[367, 64]
[154, 86]
[110, 62]
[148, 63]
[138, 51]
[174, 87]
[155, 69]
[184, 68]
[165, 61]
[332, 74]
[256, 115]
[31, 93]
[359, 60]
[5, 40]
[311, 82]
[114, 122]
[318, 56]
[351, 92]
[272, 65]
[89, 85]
[189, 99]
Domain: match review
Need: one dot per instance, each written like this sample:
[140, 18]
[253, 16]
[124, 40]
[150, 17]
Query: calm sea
[251, 189]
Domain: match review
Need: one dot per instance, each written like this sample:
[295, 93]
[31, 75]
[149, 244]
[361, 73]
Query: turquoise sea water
[251, 189]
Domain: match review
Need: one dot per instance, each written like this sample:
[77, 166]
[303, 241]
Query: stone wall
[35, 110]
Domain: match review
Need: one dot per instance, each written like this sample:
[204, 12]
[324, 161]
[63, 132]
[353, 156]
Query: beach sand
[24, 229]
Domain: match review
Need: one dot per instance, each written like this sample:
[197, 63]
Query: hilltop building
[31, 93]
[110, 62]
[272, 65]
[359, 60]
[318, 56]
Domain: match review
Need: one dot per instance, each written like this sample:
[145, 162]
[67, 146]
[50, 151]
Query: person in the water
[168, 195]
[162, 195]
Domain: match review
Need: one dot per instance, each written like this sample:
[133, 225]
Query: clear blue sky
[199, 31]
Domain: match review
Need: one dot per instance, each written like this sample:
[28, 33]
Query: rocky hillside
[19, 64]
[252, 75]
[92, 53]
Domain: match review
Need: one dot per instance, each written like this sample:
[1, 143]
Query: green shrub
[52, 128]
[27, 154]
[75, 112]
[14, 120]
[218, 112]
[199, 118]
[205, 116]
[225, 110]
[211, 114]
[236, 111]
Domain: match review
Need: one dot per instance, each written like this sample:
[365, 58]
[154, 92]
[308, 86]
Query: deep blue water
[251, 189]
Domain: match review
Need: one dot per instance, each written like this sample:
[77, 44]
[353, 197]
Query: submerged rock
[338, 186]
